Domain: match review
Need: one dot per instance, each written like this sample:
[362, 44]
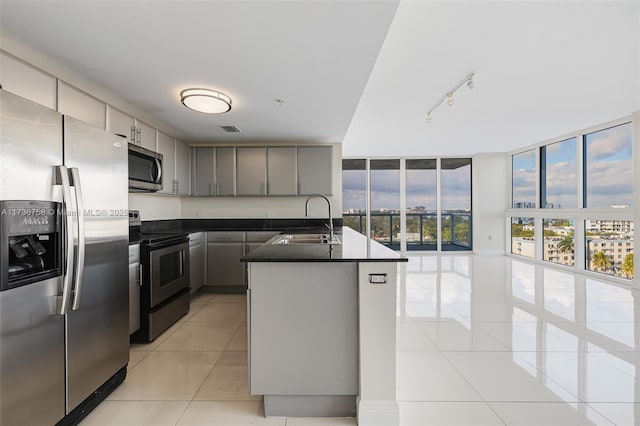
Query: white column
[377, 403]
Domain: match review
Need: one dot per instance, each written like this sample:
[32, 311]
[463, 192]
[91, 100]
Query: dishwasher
[197, 258]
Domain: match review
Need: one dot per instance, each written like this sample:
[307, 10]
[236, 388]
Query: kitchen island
[321, 327]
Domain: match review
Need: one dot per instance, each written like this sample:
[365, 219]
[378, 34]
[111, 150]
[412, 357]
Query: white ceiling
[542, 68]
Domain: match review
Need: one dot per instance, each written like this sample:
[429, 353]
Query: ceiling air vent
[230, 129]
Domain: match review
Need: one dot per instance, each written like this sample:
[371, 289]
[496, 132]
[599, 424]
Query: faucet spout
[306, 210]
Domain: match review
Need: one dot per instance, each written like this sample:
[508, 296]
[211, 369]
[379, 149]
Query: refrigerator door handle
[62, 178]
[79, 273]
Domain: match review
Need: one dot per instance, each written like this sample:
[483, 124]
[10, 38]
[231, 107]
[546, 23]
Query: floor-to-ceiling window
[455, 222]
[354, 194]
[385, 202]
[421, 204]
[414, 204]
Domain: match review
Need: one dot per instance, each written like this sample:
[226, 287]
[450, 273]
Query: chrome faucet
[306, 211]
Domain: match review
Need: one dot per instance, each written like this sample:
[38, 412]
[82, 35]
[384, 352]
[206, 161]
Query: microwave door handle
[81, 239]
[62, 178]
[159, 167]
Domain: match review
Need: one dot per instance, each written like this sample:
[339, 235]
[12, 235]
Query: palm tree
[601, 261]
[566, 245]
[627, 265]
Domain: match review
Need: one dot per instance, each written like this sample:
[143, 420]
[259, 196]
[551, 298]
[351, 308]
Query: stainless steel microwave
[145, 169]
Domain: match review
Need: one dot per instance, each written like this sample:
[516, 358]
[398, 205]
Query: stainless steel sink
[306, 239]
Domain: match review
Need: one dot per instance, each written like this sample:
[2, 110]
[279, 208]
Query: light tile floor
[481, 341]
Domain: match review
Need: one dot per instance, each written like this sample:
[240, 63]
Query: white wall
[489, 200]
[263, 207]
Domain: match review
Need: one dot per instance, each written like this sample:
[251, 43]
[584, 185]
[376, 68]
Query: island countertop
[355, 247]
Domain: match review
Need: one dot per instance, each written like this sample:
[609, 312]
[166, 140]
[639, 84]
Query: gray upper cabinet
[203, 175]
[121, 124]
[281, 170]
[166, 147]
[146, 135]
[251, 173]
[183, 168]
[315, 170]
[225, 171]
[81, 105]
[137, 132]
[27, 81]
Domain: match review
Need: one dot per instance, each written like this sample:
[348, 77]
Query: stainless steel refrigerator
[64, 341]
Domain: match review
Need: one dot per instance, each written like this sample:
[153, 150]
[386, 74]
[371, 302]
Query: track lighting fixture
[448, 97]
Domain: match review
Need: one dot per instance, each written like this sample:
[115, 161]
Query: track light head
[470, 84]
[449, 98]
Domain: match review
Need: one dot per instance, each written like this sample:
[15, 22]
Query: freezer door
[30, 145]
[31, 355]
[98, 326]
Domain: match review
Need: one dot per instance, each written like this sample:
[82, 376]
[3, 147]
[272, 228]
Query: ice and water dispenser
[30, 242]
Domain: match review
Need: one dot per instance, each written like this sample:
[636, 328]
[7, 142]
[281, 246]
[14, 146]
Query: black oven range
[164, 292]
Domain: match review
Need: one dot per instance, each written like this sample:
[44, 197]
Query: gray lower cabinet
[303, 337]
[224, 269]
[197, 258]
[134, 288]
[257, 238]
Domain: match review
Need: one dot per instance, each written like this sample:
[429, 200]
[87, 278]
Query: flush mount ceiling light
[448, 97]
[206, 100]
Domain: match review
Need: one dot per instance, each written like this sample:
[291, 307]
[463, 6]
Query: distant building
[613, 226]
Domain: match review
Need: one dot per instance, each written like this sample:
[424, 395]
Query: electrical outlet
[490, 237]
[270, 214]
[201, 214]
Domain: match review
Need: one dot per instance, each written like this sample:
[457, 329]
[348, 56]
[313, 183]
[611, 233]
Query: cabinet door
[196, 261]
[183, 168]
[315, 170]
[134, 297]
[121, 123]
[251, 174]
[166, 147]
[81, 105]
[146, 135]
[203, 176]
[281, 168]
[224, 268]
[29, 82]
[225, 182]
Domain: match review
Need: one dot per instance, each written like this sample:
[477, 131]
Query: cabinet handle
[139, 135]
[140, 275]
[217, 188]
[177, 186]
[133, 135]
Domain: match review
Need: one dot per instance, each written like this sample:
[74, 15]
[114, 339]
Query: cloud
[614, 143]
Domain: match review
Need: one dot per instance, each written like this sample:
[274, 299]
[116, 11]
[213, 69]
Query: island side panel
[377, 404]
[303, 331]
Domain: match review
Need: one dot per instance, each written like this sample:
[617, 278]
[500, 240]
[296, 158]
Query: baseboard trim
[489, 252]
[378, 412]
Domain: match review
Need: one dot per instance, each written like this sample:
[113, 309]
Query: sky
[609, 170]
[420, 189]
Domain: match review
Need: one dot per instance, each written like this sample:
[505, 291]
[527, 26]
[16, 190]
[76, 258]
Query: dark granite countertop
[355, 247]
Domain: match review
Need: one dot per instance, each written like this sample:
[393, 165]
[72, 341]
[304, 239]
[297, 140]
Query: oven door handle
[62, 178]
[79, 274]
